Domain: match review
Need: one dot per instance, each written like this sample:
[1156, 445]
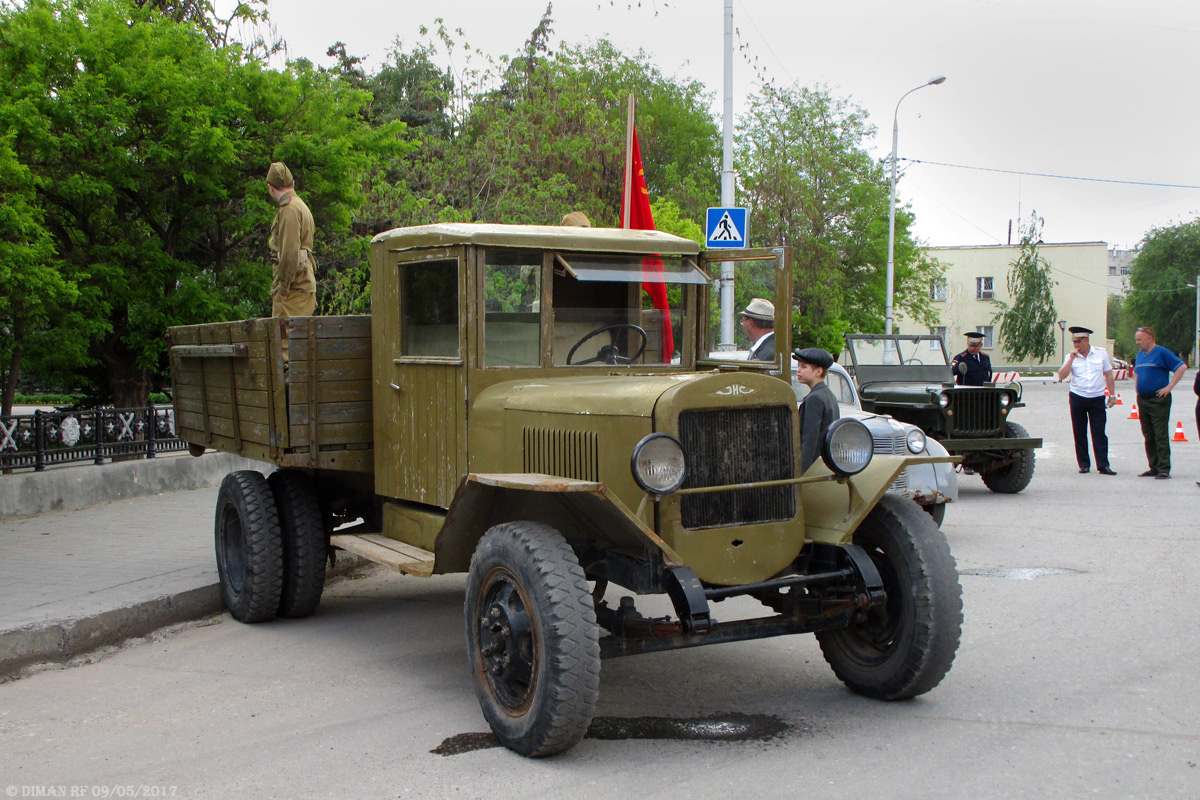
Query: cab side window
[512, 309]
[429, 308]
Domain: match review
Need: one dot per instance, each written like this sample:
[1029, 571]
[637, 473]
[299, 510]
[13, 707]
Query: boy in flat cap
[758, 323]
[972, 367]
[820, 408]
[1091, 371]
[294, 286]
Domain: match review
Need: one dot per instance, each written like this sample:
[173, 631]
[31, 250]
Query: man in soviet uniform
[294, 286]
[972, 367]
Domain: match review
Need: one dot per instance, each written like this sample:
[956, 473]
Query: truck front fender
[585, 512]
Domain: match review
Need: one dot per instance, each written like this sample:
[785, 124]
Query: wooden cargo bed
[234, 392]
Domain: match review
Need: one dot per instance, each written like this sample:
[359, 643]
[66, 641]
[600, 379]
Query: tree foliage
[1159, 296]
[811, 184]
[146, 146]
[1029, 324]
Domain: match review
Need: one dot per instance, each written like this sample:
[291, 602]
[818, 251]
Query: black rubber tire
[937, 511]
[905, 647]
[249, 550]
[532, 640]
[1017, 475]
[302, 528]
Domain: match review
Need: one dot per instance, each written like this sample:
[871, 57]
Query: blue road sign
[727, 228]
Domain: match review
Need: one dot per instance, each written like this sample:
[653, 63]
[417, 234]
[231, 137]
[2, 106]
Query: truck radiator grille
[566, 454]
[745, 445]
[892, 443]
[976, 412]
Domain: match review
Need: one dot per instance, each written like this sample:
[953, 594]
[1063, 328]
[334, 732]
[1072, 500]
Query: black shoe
[1150, 473]
[1084, 470]
[1162, 476]
[1106, 471]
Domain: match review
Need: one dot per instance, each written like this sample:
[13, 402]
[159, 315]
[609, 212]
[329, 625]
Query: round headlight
[658, 465]
[1005, 400]
[915, 441]
[944, 399]
[848, 447]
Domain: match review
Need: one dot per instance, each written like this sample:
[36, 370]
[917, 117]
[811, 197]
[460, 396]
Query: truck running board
[389, 552]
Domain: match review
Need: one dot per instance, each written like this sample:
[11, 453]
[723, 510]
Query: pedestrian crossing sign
[726, 228]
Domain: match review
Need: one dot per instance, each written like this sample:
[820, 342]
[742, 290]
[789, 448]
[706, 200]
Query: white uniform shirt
[1087, 372]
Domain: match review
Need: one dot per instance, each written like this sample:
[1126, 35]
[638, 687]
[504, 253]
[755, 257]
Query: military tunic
[818, 410]
[979, 368]
[291, 245]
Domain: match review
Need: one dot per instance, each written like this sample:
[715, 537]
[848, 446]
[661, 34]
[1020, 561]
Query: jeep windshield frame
[898, 358]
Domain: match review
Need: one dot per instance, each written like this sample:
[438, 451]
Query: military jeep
[909, 377]
[516, 408]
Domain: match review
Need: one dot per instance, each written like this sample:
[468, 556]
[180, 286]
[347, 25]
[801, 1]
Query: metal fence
[37, 440]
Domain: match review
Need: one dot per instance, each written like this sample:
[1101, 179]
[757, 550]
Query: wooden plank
[192, 397]
[345, 433]
[333, 327]
[389, 552]
[255, 379]
[210, 350]
[335, 392]
[331, 413]
[358, 369]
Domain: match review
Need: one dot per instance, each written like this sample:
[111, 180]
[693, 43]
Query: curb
[59, 641]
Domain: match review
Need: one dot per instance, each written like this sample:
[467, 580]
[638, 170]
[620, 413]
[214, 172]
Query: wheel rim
[873, 639]
[233, 548]
[508, 650]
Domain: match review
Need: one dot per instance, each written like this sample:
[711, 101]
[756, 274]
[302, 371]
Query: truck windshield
[898, 350]
[615, 310]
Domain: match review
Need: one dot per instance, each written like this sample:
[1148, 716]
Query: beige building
[976, 277]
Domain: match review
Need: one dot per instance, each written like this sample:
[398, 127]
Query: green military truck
[909, 378]
[516, 409]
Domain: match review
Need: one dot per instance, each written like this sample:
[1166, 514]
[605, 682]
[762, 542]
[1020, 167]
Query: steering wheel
[914, 361]
[609, 353]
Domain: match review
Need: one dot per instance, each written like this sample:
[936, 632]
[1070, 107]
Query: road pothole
[1019, 573]
[722, 728]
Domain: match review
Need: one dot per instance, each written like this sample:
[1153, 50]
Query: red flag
[641, 218]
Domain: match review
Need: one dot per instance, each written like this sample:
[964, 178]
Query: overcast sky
[1079, 88]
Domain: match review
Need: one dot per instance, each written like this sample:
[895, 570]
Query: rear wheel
[249, 549]
[302, 530]
[532, 639]
[1013, 477]
[906, 646]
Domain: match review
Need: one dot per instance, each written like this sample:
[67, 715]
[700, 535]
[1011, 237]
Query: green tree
[1029, 324]
[811, 184]
[147, 147]
[1167, 261]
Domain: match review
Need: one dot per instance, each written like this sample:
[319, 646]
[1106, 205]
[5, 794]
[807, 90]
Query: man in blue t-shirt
[1158, 370]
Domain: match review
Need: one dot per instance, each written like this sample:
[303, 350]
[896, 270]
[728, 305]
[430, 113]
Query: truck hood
[604, 395]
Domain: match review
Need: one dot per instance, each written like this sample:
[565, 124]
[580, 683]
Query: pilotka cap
[279, 175]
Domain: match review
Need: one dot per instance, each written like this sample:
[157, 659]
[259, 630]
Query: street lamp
[1196, 351]
[1062, 327]
[891, 263]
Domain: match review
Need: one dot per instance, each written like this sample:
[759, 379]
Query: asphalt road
[1076, 677]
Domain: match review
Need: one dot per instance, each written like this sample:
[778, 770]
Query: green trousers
[1155, 415]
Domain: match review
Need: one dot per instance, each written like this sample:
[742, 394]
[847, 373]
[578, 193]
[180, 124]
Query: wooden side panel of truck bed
[234, 392]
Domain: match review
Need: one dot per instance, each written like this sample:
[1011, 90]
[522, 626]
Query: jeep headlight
[944, 399]
[658, 464]
[915, 441]
[847, 447]
[1005, 400]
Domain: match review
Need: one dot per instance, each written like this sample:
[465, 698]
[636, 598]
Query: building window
[987, 331]
[939, 332]
[939, 290]
[983, 288]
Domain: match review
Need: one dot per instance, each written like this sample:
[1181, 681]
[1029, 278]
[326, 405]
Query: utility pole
[727, 198]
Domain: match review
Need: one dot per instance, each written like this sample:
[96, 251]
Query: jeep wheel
[906, 646]
[532, 639]
[249, 551]
[937, 511]
[302, 529]
[1013, 477]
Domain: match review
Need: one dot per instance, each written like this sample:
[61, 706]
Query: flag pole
[627, 204]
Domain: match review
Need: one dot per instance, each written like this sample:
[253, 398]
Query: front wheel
[532, 639]
[937, 512]
[906, 646]
[1013, 477]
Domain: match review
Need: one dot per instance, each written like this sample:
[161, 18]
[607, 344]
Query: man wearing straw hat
[758, 323]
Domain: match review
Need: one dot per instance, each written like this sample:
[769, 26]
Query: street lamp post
[891, 263]
[1062, 327]
[1196, 342]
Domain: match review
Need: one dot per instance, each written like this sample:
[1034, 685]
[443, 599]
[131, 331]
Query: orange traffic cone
[1179, 435]
[1133, 414]
[1118, 403]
